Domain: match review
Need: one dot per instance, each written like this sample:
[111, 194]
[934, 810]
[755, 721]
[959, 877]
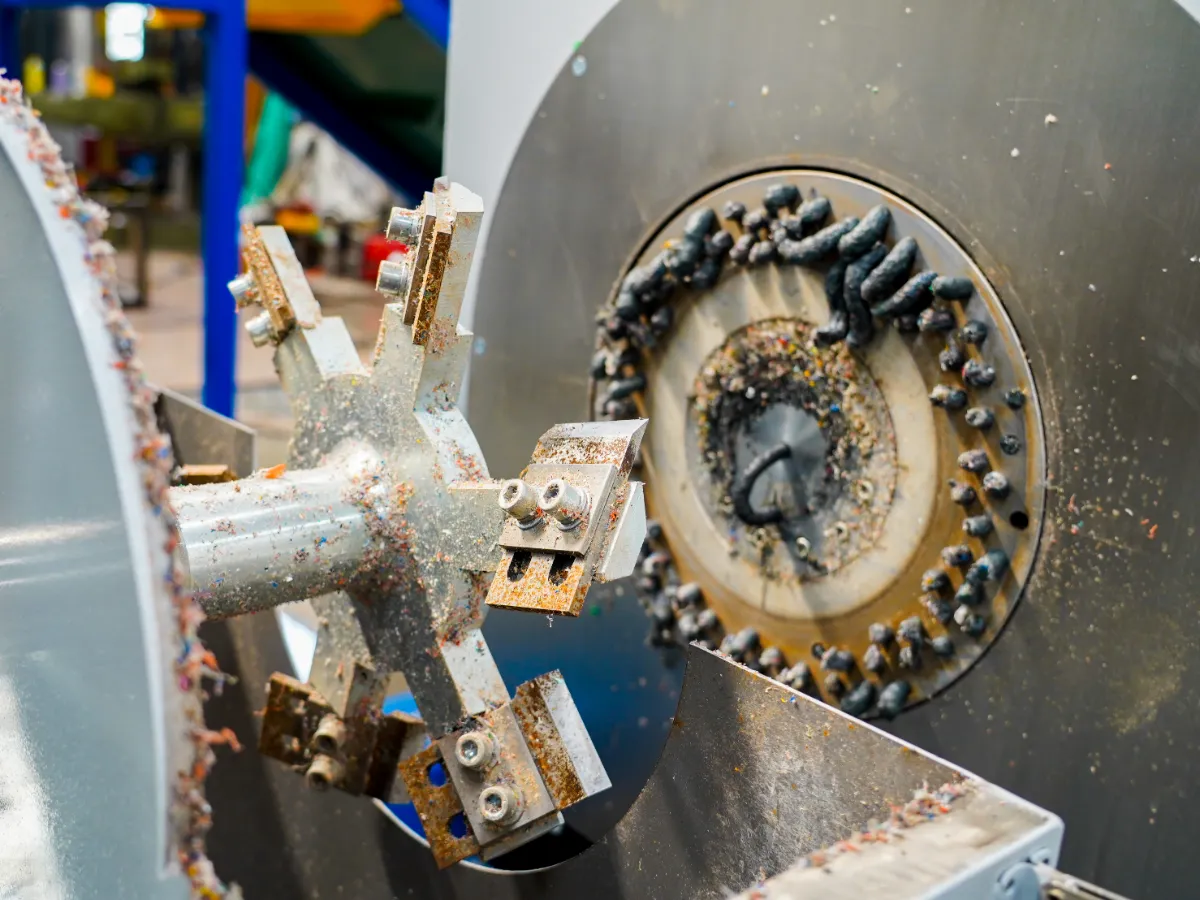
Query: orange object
[309, 16]
[275, 471]
[298, 221]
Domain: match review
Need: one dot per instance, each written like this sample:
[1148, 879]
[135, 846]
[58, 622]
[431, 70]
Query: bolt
[874, 660]
[948, 397]
[771, 661]
[973, 461]
[859, 700]
[952, 288]
[568, 505]
[880, 633]
[940, 609]
[957, 555]
[519, 500]
[803, 547]
[474, 750]
[980, 417]
[499, 805]
[837, 660]
[978, 374]
[404, 225]
[912, 630]
[1015, 398]
[996, 484]
[688, 594]
[1010, 444]
[893, 697]
[969, 594]
[934, 580]
[798, 677]
[394, 278]
[972, 624]
[324, 772]
[706, 619]
[734, 211]
[952, 358]
[833, 685]
[936, 320]
[260, 329]
[988, 567]
[330, 735]
[700, 224]
[909, 657]
[978, 526]
[942, 646]
[242, 288]
[974, 332]
[961, 493]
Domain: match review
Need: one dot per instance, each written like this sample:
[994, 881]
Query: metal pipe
[253, 544]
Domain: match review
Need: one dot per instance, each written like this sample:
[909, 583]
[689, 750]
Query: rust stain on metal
[370, 752]
[545, 742]
[420, 259]
[205, 474]
[529, 582]
[437, 805]
[432, 283]
[268, 289]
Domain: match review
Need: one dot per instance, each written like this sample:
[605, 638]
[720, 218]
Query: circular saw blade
[1057, 146]
[100, 668]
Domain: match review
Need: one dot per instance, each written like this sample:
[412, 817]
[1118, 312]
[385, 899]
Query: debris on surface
[190, 816]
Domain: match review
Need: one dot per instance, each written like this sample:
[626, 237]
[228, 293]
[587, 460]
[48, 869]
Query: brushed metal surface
[1087, 231]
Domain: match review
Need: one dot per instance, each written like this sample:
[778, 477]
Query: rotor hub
[856, 521]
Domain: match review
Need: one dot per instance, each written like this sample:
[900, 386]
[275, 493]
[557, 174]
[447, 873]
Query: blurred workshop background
[343, 117]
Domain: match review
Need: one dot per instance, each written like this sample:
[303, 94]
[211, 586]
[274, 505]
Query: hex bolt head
[241, 288]
[404, 225]
[260, 329]
[567, 504]
[330, 735]
[499, 805]
[395, 277]
[474, 750]
[520, 501]
[325, 772]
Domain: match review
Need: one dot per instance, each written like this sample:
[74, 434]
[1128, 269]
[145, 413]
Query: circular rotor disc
[869, 544]
[1057, 145]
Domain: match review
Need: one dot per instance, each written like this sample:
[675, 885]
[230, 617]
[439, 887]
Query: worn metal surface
[548, 565]
[298, 723]
[385, 518]
[202, 437]
[558, 739]
[908, 452]
[959, 851]
[1074, 231]
[437, 805]
[735, 730]
[86, 731]
[278, 537]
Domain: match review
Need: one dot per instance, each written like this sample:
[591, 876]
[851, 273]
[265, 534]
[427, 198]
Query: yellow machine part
[307, 16]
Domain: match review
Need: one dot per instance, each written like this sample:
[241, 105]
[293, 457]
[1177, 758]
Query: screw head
[499, 805]
[474, 750]
[260, 330]
[404, 225]
[395, 277]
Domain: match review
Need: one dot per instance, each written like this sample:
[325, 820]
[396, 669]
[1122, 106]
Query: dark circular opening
[1019, 520]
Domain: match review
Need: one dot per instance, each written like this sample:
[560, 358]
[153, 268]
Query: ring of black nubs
[865, 281]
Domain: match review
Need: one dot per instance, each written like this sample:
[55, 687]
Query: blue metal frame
[224, 128]
[433, 17]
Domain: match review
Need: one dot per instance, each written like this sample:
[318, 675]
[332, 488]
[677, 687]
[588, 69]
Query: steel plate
[1057, 143]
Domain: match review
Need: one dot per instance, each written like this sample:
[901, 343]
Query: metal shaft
[256, 543]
